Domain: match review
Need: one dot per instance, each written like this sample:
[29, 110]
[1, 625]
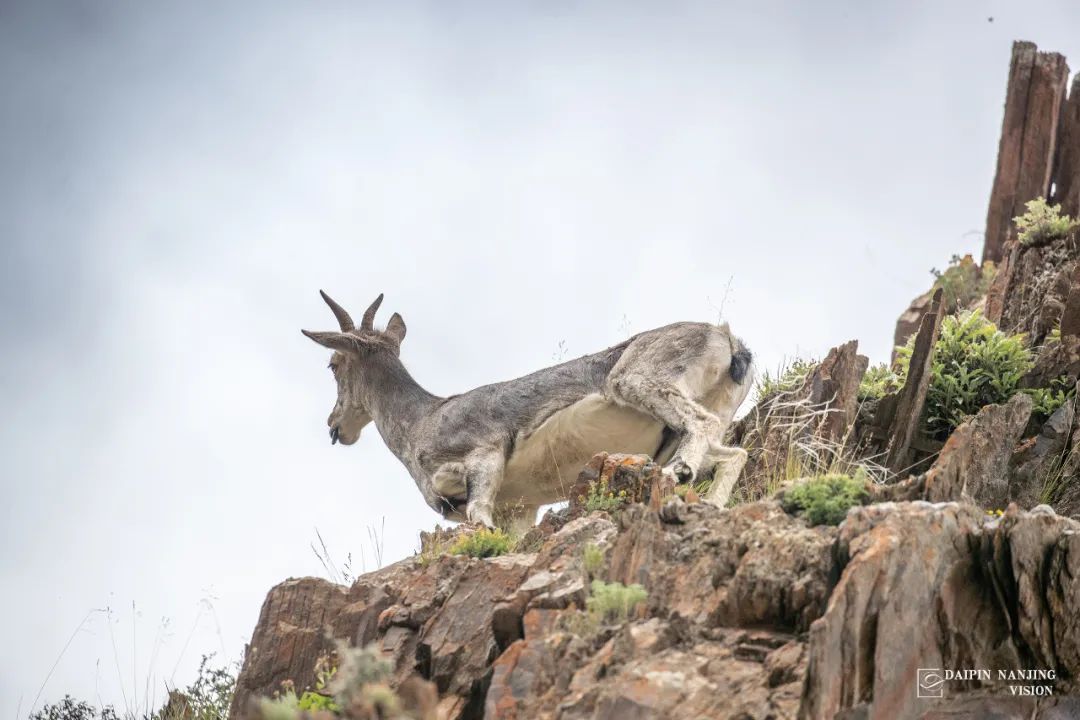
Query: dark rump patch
[740, 363]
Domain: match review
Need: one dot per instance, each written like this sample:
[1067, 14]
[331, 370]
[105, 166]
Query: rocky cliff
[750, 613]
[946, 584]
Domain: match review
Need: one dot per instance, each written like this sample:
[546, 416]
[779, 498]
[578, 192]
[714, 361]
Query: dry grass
[784, 444]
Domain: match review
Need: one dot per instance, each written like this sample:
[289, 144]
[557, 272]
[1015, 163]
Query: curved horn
[368, 323]
[343, 318]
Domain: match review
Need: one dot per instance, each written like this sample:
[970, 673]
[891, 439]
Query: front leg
[483, 477]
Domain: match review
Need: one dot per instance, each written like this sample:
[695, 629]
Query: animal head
[353, 349]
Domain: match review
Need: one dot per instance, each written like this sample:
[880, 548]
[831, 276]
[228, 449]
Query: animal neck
[395, 401]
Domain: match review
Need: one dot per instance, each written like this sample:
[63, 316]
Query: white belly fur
[545, 465]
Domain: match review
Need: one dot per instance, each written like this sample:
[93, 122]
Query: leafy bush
[71, 709]
[482, 543]
[1049, 399]
[613, 602]
[963, 282]
[601, 497]
[208, 698]
[825, 500]
[974, 364]
[1043, 221]
[788, 378]
[878, 381]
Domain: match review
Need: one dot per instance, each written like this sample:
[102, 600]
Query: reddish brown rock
[289, 638]
[973, 464]
[941, 586]
[766, 568]
[834, 384]
[648, 669]
[636, 478]
[908, 322]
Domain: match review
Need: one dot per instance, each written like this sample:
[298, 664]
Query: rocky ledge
[750, 613]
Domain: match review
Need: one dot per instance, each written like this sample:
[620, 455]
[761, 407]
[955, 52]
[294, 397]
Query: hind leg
[701, 432]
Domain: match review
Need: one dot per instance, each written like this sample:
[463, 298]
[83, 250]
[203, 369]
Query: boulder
[288, 639]
[973, 464]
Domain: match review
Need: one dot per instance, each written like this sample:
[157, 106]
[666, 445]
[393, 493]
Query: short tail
[741, 360]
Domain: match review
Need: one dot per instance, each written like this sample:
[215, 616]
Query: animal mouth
[335, 435]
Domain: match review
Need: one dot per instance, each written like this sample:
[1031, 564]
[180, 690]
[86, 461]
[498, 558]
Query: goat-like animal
[510, 447]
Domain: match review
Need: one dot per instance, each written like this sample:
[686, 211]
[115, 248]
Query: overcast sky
[524, 181]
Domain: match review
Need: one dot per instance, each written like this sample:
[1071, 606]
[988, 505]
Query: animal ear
[334, 340]
[396, 328]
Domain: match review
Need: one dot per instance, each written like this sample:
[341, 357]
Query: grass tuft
[613, 602]
[592, 559]
[483, 543]
[825, 500]
[601, 497]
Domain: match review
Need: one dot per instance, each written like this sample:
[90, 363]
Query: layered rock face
[750, 614]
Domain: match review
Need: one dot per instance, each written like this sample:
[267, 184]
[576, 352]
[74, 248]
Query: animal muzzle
[334, 435]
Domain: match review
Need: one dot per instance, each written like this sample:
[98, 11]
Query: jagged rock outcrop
[1035, 98]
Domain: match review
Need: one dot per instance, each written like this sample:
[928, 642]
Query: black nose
[334, 435]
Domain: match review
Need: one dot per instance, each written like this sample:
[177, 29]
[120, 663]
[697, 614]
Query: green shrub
[601, 497]
[592, 558]
[613, 602]
[825, 500]
[974, 364]
[1043, 221]
[1049, 399]
[482, 543]
[71, 709]
[788, 378]
[878, 381]
[963, 282]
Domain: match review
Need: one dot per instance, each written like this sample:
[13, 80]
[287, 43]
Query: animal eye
[333, 367]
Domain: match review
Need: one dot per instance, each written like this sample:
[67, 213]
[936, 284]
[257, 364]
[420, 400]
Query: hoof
[683, 472]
